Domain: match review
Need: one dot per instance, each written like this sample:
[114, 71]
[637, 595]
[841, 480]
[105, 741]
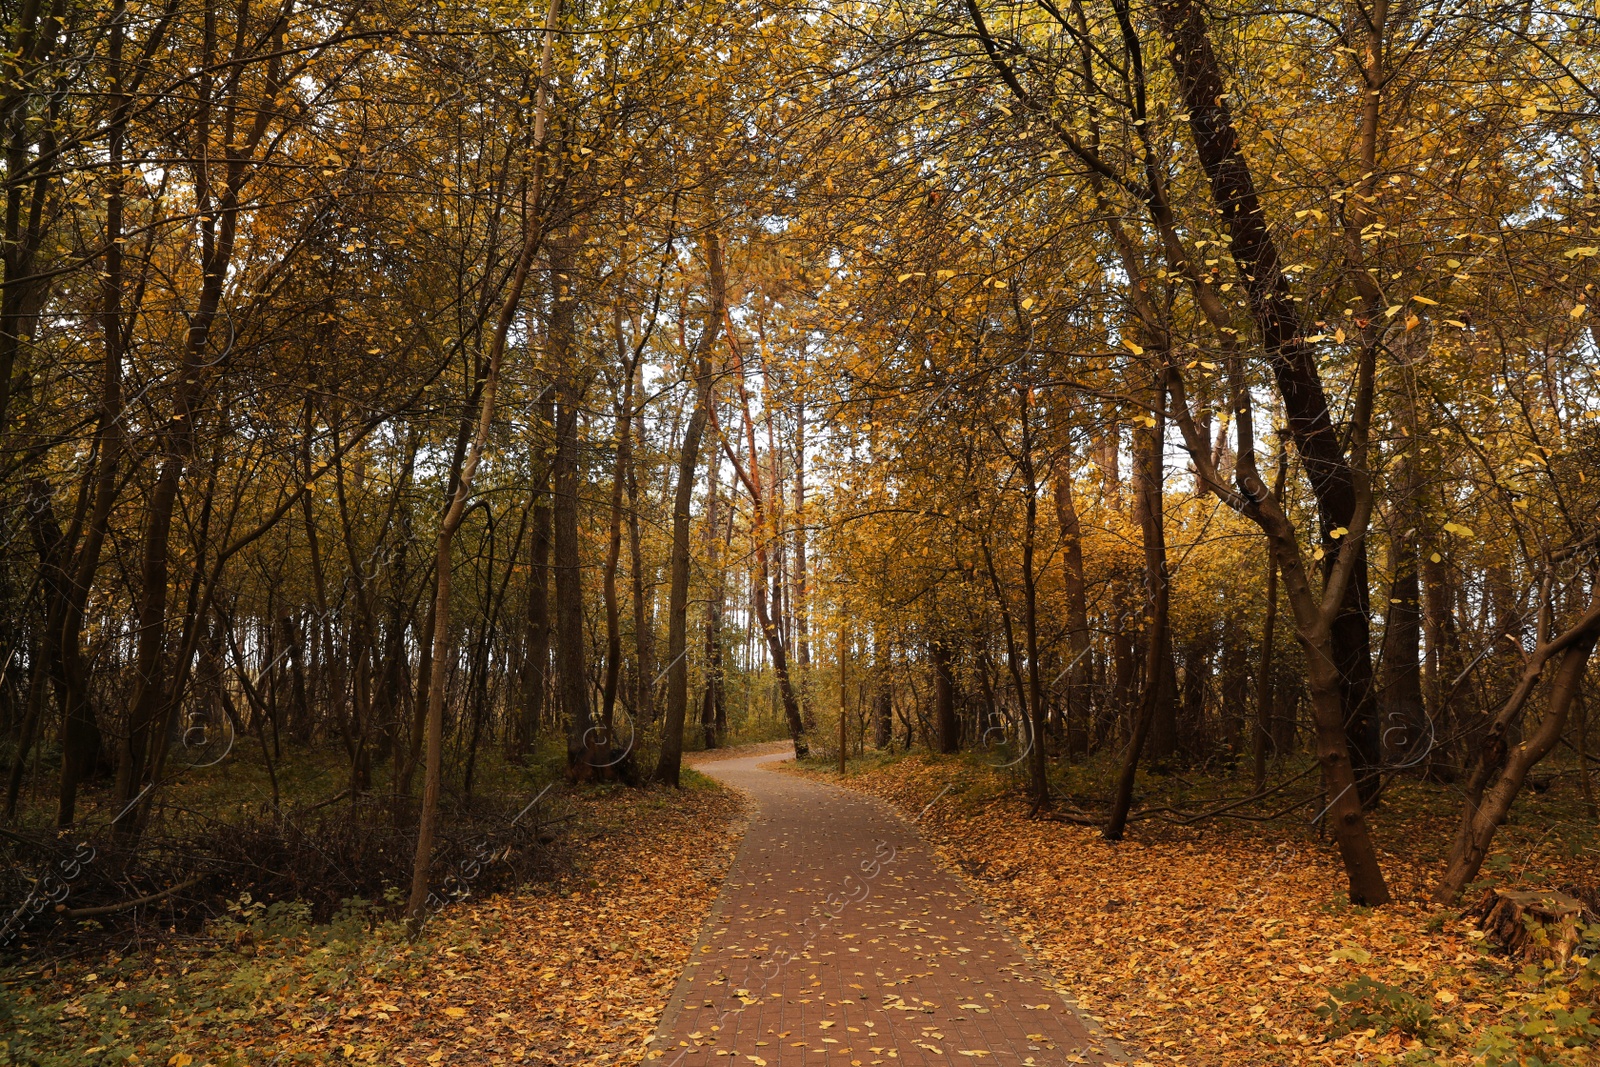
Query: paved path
[839, 940]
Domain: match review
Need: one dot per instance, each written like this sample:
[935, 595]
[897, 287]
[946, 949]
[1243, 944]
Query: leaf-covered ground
[1219, 945]
[572, 973]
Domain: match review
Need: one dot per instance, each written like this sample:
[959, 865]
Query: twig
[126, 905]
[323, 803]
[1076, 818]
[1225, 808]
[1083, 818]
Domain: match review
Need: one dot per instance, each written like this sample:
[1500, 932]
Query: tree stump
[1514, 919]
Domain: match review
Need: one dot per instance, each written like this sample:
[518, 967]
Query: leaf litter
[1210, 946]
[574, 973]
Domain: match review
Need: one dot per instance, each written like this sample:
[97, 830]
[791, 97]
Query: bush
[1555, 1023]
[311, 862]
[1368, 1004]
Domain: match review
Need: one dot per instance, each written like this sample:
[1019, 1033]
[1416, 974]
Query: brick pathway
[839, 940]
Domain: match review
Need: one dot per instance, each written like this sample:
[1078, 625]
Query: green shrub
[1554, 1023]
[1368, 1004]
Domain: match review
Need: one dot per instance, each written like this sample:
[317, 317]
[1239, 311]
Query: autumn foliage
[405, 405]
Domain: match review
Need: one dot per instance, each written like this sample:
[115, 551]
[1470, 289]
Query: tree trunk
[1442, 654]
[883, 706]
[713, 695]
[644, 636]
[1234, 695]
[1197, 674]
[33, 711]
[1157, 713]
[80, 736]
[1264, 731]
[1036, 710]
[802, 611]
[671, 758]
[624, 435]
[1404, 715]
[216, 195]
[1078, 678]
[1122, 799]
[536, 655]
[1344, 807]
[1585, 776]
[533, 232]
[586, 742]
[1263, 734]
[1149, 508]
[764, 531]
[947, 728]
[34, 38]
[1292, 359]
[1502, 766]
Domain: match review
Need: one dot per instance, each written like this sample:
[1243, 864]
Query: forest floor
[1202, 946]
[573, 972]
[1226, 944]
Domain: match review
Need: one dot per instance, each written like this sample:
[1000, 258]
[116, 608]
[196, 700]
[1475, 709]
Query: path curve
[839, 939]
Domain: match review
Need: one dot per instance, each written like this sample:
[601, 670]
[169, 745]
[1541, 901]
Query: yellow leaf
[455, 1013]
[1436, 558]
[182, 1059]
[1578, 310]
[1393, 311]
[1425, 300]
[1338, 532]
[1131, 347]
[1458, 529]
[1027, 303]
[1338, 335]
